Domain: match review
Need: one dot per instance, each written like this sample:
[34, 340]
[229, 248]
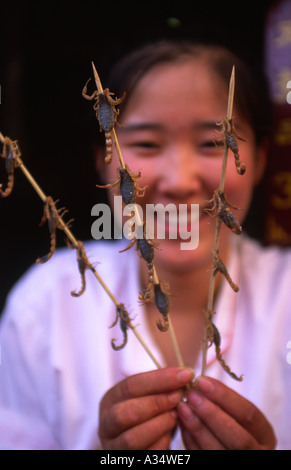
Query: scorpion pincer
[128, 186]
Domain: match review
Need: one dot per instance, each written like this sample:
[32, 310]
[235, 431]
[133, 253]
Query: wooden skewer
[74, 241]
[139, 222]
[218, 224]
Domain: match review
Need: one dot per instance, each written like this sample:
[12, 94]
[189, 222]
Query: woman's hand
[139, 412]
[215, 417]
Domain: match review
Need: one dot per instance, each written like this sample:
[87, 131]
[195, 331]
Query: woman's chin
[182, 255]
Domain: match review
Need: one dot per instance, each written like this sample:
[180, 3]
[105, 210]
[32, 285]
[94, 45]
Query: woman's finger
[240, 409]
[195, 434]
[127, 414]
[145, 435]
[148, 383]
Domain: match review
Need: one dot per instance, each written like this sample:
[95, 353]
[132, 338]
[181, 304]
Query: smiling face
[169, 126]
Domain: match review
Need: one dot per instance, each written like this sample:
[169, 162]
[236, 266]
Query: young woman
[63, 385]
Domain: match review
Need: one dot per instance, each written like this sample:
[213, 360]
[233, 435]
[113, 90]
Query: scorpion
[128, 186]
[229, 136]
[52, 215]
[144, 246]
[215, 339]
[146, 250]
[83, 264]
[221, 210]
[220, 267]
[220, 359]
[10, 152]
[159, 294]
[106, 114]
[123, 316]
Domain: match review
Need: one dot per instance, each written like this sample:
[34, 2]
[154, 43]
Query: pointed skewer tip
[231, 93]
[97, 79]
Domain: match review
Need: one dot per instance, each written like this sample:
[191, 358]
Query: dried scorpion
[83, 264]
[10, 152]
[220, 208]
[105, 113]
[123, 316]
[214, 337]
[52, 215]
[153, 291]
[220, 267]
[229, 136]
[128, 186]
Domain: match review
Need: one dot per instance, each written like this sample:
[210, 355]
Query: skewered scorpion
[229, 136]
[52, 215]
[10, 152]
[214, 338]
[220, 267]
[105, 113]
[128, 186]
[221, 210]
[124, 320]
[83, 264]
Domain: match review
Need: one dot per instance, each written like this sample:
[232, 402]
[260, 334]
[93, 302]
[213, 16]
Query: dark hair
[251, 92]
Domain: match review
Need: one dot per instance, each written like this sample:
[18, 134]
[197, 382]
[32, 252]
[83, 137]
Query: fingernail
[185, 375]
[175, 397]
[185, 411]
[205, 385]
[195, 399]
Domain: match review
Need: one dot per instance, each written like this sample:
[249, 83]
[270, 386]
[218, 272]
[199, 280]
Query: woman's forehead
[173, 91]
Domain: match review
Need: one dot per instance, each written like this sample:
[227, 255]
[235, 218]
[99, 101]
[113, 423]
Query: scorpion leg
[129, 246]
[226, 201]
[110, 185]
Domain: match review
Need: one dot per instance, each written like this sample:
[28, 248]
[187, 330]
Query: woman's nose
[182, 172]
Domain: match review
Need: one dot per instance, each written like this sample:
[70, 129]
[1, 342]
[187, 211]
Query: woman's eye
[145, 147]
[146, 144]
[214, 146]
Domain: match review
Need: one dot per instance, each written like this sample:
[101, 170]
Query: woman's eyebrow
[141, 126]
[154, 126]
[204, 125]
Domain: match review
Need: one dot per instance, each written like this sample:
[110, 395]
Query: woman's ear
[261, 160]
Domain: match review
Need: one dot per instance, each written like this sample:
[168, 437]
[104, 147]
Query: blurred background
[46, 50]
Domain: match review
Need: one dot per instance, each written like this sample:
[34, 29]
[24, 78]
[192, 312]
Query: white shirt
[56, 356]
